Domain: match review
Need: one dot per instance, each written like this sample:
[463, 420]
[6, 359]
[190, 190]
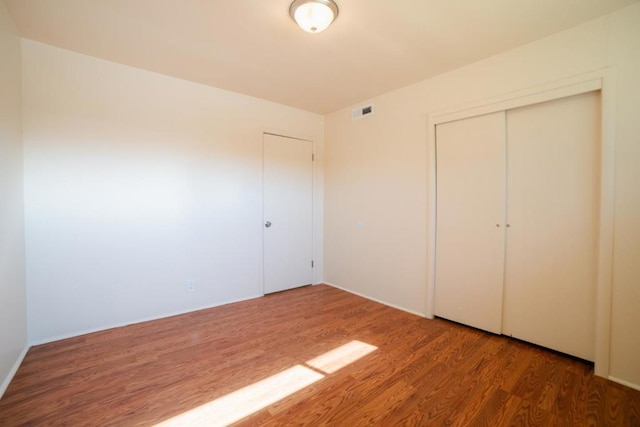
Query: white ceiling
[253, 46]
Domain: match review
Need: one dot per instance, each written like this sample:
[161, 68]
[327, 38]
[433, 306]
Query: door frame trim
[603, 80]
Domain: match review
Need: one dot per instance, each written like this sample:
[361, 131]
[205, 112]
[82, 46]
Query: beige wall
[376, 171]
[136, 183]
[13, 309]
[624, 52]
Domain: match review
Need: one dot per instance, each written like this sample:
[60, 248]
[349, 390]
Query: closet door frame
[601, 80]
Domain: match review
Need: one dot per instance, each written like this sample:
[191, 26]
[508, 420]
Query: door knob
[267, 224]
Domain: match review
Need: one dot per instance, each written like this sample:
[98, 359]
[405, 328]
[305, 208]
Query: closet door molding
[603, 80]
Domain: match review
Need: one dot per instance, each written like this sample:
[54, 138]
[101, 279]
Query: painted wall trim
[13, 371]
[603, 80]
[625, 383]
[375, 299]
[604, 281]
[556, 89]
[142, 320]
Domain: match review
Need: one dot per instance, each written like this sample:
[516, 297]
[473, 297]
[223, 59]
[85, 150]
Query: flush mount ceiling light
[313, 16]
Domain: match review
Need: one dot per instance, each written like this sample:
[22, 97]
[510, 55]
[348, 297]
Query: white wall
[136, 183]
[13, 308]
[376, 171]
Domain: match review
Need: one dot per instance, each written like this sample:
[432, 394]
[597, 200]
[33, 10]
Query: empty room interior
[319, 212]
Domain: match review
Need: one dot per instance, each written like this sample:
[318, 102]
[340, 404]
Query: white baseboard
[625, 383]
[376, 300]
[133, 322]
[12, 372]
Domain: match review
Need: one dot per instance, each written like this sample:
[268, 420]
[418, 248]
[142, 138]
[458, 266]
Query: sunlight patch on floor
[340, 357]
[237, 405]
[241, 403]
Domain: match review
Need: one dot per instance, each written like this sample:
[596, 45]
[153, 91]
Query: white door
[288, 207]
[553, 180]
[470, 158]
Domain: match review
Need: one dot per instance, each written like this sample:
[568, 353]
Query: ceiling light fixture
[313, 16]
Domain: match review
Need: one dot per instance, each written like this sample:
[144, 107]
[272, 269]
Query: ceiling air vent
[362, 112]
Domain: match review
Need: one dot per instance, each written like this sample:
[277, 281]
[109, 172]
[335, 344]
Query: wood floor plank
[489, 410]
[418, 372]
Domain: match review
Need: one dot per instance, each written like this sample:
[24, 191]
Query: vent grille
[361, 112]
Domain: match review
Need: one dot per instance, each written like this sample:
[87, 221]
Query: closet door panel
[553, 175]
[470, 158]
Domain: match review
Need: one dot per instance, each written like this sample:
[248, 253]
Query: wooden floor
[248, 359]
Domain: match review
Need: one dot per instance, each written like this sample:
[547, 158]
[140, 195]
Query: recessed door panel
[553, 181]
[470, 221]
[288, 213]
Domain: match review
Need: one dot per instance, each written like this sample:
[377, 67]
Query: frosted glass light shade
[313, 16]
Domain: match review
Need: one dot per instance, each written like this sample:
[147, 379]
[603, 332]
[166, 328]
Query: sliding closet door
[553, 175]
[470, 157]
